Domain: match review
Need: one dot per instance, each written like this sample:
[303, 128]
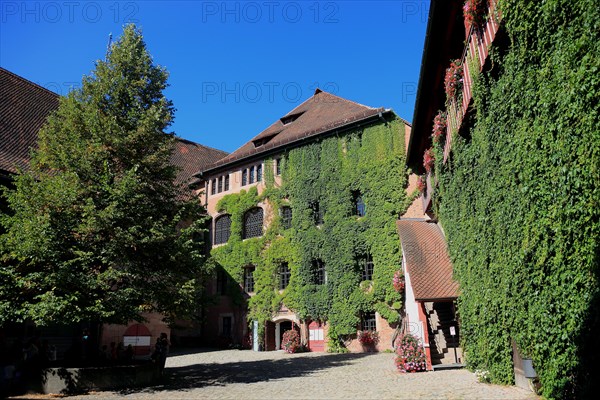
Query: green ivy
[370, 161]
[519, 199]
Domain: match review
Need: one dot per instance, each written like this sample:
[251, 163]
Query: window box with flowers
[428, 159]
[410, 356]
[439, 127]
[474, 13]
[368, 339]
[422, 183]
[399, 282]
[453, 81]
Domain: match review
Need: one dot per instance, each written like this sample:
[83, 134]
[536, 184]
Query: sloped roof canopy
[321, 113]
[427, 261]
[23, 111]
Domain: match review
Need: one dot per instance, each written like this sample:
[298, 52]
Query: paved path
[235, 374]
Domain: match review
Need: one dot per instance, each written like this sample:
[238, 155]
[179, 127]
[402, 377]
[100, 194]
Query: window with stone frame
[318, 273]
[259, 173]
[244, 177]
[213, 186]
[368, 321]
[284, 275]
[278, 166]
[226, 184]
[359, 208]
[249, 279]
[251, 173]
[220, 184]
[286, 217]
[365, 263]
[253, 223]
[222, 229]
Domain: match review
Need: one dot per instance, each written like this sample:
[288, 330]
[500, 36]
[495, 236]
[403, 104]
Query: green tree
[97, 230]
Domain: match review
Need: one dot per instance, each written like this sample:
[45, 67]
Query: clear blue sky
[235, 67]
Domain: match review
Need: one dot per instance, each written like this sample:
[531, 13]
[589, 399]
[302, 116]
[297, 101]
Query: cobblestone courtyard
[234, 374]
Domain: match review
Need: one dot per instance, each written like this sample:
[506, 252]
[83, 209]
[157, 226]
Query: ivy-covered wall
[520, 199]
[331, 171]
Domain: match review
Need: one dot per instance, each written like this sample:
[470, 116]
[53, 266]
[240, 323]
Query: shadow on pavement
[202, 375]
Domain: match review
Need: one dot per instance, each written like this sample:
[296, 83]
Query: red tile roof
[319, 114]
[189, 157]
[427, 261]
[24, 107]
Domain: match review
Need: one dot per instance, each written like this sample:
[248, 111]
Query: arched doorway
[280, 328]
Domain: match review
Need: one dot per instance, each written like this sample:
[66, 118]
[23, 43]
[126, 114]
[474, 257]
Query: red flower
[454, 79]
[399, 280]
[368, 337]
[439, 126]
[428, 159]
[473, 12]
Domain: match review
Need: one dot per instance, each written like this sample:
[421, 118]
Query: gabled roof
[23, 110]
[189, 157]
[321, 113]
[427, 261]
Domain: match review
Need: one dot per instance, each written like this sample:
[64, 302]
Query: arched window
[253, 223]
[222, 229]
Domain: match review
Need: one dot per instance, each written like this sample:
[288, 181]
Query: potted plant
[291, 341]
[410, 355]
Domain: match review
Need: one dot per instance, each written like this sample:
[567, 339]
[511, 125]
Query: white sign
[452, 331]
[136, 341]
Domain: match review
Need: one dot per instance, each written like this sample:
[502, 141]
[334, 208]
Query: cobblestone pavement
[235, 374]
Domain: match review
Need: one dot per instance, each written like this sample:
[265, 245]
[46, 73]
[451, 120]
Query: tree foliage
[97, 229]
[519, 199]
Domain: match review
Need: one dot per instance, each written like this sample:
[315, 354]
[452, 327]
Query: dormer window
[288, 119]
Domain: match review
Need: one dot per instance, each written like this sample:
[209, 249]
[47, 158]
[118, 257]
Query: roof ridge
[27, 81]
[347, 100]
[200, 144]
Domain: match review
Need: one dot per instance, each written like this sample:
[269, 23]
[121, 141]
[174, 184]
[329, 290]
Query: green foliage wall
[519, 200]
[370, 161]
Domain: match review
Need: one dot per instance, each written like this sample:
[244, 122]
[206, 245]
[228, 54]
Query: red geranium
[428, 159]
[439, 126]
[454, 79]
[473, 11]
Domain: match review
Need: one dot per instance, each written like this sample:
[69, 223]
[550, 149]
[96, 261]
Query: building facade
[303, 229]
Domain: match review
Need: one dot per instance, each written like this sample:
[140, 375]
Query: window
[253, 223]
[213, 187]
[358, 203]
[278, 166]
[319, 276]
[220, 184]
[244, 177]
[366, 265]
[222, 229]
[317, 213]
[252, 174]
[222, 282]
[227, 182]
[368, 322]
[259, 173]
[286, 217]
[284, 275]
[249, 279]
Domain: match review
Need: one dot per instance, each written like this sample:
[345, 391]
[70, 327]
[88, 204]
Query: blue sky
[235, 67]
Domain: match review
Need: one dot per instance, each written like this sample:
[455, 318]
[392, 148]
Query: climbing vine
[368, 163]
[520, 199]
